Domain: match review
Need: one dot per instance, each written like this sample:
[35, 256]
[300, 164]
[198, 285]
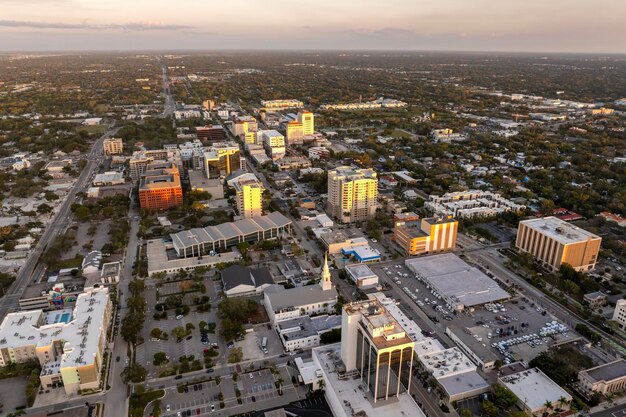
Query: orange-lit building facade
[160, 188]
[430, 235]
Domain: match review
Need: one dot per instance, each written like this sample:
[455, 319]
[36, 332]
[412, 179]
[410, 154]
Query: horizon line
[301, 51]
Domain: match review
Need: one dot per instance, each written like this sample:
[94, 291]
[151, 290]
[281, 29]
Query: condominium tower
[112, 146]
[249, 198]
[352, 194]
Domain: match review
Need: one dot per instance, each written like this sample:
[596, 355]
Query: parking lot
[204, 398]
[515, 329]
[251, 345]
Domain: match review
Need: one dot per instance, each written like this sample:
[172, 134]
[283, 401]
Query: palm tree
[548, 406]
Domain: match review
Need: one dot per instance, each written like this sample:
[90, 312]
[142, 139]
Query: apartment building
[68, 343]
[553, 242]
[281, 104]
[619, 314]
[352, 194]
[471, 203]
[160, 187]
[112, 146]
[430, 235]
[274, 143]
[249, 198]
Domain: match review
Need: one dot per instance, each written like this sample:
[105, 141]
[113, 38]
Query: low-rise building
[108, 178]
[283, 304]
[198, 182]
[609, 378]
[536, 393]
[362, 275]
[242, 281]
[471, 203]
[595, 299]
[304, 332]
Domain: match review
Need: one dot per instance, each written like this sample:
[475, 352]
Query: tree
[466, 413]
[160, 358]
[185, 286]
[236, 355]
[488, 408]
[179, 332]
[82, 213]
[134, 373]
[156, 333]
[43, 208]
[502, 397]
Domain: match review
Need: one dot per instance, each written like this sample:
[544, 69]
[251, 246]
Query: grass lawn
[138, 402]
[397, 133]
[96, 129]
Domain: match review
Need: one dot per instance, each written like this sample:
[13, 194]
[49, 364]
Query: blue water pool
[65, 317]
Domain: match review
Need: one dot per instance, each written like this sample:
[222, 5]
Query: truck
[264, 345]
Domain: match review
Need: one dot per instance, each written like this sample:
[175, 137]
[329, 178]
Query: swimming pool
[65, 317]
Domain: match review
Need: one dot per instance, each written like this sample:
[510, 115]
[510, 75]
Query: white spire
[325, 281]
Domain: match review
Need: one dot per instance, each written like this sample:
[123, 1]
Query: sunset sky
[464, 25]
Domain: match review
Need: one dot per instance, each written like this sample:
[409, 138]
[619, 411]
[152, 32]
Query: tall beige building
[352, 194]
[113, 146]
[249, 198]
[554, 242]
[308, 122]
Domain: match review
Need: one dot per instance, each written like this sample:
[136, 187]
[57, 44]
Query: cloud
[71, 26]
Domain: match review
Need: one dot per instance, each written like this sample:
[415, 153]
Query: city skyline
[448, 25]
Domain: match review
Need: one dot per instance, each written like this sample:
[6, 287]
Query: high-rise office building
[295, 132]
[274, 143]
[352, 194]
[112, 146]
[430, 235]
[221, 159]
[555, 242]
[160, 187]
[249, 198]
[378, 347]
[307, 120]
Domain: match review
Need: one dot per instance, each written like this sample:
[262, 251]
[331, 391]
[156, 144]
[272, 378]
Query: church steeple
[325, 282]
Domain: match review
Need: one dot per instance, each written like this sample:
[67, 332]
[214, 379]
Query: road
[115, 398]
[57, 226]
[170, 104]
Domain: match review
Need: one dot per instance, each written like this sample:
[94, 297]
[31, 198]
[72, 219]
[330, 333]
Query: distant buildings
[610, 217]
[112, 146]
[352, 194]
[606, 379]
[434, 234]
[273, 142]
[469, 204]
[553, 242]
[69, 344]
[380, 103]
[445, 135]
[160, 187]
[220, 159]
[281, 104]
[536, 393]
[211, 133]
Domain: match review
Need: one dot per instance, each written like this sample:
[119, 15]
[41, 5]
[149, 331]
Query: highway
[58, 225]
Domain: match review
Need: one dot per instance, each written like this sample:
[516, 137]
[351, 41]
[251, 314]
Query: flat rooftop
[78, 329]
[159, 261]
[463, 383]
[559, 230]
[305, 326]
[360, 271]
[608, 371]
[354, 399]
[300, 296]
[447, 362]
[534, 388]
[455, 280]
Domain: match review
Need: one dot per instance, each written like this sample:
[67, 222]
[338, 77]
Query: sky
[459, 25]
